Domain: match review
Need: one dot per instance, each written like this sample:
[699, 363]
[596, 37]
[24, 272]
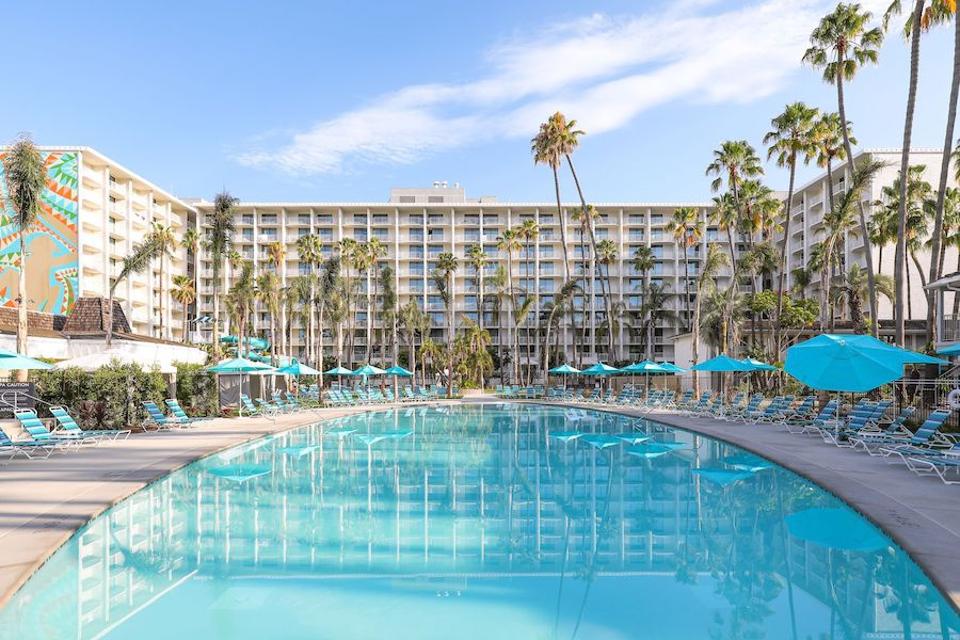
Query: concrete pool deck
[43, 502]
[920, 513]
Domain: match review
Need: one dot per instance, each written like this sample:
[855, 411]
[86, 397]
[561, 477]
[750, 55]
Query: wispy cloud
[602, 70]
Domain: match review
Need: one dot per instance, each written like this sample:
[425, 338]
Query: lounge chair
[945, 465]
[179, 414]
[246, 404]
[826, 417]
[157, 417]
[69, 426]
[37, 431]
[30, 449]
[925, 438]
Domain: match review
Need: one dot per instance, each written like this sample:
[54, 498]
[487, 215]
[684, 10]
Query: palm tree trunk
[162, 271]
[214, 339]
[867, 247]
[686, 286]
[593, 246]
[563, 253]
[783, 252]
[695, 334]
[936, 245]
[22, 305]
[825, 271]
[900, 257]
[510, 320]
[830, 183]
[909, 294]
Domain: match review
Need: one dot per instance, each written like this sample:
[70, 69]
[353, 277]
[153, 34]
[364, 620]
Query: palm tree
[568, 139]
[802, 278]
[706, 279]
[508, 242]
[414, 321]
[687, 232]
[190, 241]
[309, 251]
[328, 286]
[528, 232]
[477, 259]
[840, 222]
[917, 191]
[473, 352]
[607, 254]
[446, 266]
[219, 242]
[791, 138]
[840, 45]
[852, 287]
[26, 175]
[548, 148]
[733, 162]
[941, 11]
[653, 312]
[828, 142]
[162, 236]
[350, 259]
[277, 255]
[388, 312]
[185, 292]
[912, 30]
[136, 262]
[369, 256]
[268, 291]
[562, 300]
[240, 300]
[584, 218]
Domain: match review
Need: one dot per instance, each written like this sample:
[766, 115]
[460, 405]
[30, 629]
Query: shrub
[196, 389]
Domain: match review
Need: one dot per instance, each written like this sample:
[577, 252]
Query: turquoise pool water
[493, 521]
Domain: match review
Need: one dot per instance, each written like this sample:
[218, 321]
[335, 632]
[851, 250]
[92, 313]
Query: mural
[52, 262]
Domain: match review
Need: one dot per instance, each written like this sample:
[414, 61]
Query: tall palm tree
[607, 254]
[190, 242]
[851, 288]
[706, 279]
[328, 286]
[508, 242]
[477, 259]
[309, 251]
[185, 292]
[790, 139]
[912, 30]
[939, 12]
[137, 261]
[240, 300]
[219, 242]
[162, 235]
[268, 291]
[828, 142]
[562, 300]
[350, 260]
[917, 191]
[841, 44]
[568, 141]
[528, 231]
[26, 175]
[733, 162]
[277, 255]
[414, 321]
[584, 218]
[370, 255]
[548, 148]
[446, 267]
[687, 232]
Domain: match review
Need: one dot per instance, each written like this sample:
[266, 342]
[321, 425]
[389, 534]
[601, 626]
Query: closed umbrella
[850, 363]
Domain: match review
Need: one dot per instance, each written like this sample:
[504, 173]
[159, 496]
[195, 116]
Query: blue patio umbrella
[398, 371]
[851, 363]
[564, 370]
[950, 350]
[645, 367]
[368, 370]
[600, 369]
[758, 365]
[672, 368]
[722, 363]
[13, 361]
[240, 366]
[299, 369]
[338, 371]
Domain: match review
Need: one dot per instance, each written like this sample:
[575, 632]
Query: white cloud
[602, 70]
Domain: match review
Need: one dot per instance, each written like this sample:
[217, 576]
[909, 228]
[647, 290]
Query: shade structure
[298, 369]
[13, 361]
[398, 371]
[600, 369]
[564, 370]
[368, 370]
[722, 363]
[645, 366]
[240, 365]
[758, 365]
[851, 363]
[338, 371]
[950, 350]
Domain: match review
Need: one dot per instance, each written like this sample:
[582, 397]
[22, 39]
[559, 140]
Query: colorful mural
[52, 261]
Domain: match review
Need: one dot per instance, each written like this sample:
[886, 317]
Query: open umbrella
[950, 350]
[564, 370]
[851, 363]
[672, 368]
[240, 366]
[298, 369]
[398, 371]
[722, 363]
[368, 370]
[13, 361]
[646, 367]
[600, 369]
[338, 371]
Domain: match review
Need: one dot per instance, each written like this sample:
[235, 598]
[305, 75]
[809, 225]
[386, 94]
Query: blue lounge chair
[925, 438]
[30, 449]
[69, 426]
[179, 414]
[37, 431]
[157, 417]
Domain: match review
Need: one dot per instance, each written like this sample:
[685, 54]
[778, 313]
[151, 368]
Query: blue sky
[340, 101]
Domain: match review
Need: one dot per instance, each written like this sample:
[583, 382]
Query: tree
[912, 31]
[790, 139]
[268, 291]
[706, 279]
[562, 300]
[443, 277]
[477, 259]
[687, 232]
[162, 236]
[329, 296]
[918, 191]
[26, 175]
[413, 321]
[607, 254]
[472, 353]
[841, 44]
[941, 11]
[568, 140]
[802, 278]
[508, 242]
[548, 147]
[219, 243]
[185, 292]
[368, 257]
[137, 261]
[240, 300]
[309, 251]
[828, 143]
[851, 288]
[733, 162]
[277, 255]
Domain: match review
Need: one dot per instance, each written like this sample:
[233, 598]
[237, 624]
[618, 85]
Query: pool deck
[920, 513]
[43, 502]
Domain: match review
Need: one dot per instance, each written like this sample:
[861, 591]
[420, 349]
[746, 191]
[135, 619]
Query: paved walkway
[920, 513]
[43, 502]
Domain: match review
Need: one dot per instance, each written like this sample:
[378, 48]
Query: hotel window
[381, 234]
[325, 218]
[438, 320]
[268, 218]
[415, 235]
[491, 219]
[435, 234]
[415, 218]
[303, 231]
[471, 235]
[472, 219]
[415, 251]
[490, 234]
[380, 218]
[602, 234]
[546, 235]
[546, 269]
[636, 235]
[546, 252]
[657, 252]
[435, 199]
[325, 234]
[247, 218]
[434, 250]
[546, 219]
[303, 269]
[656, 218]
[360, 218]
[407, 199]
[416, 269]
[415, 286]
[436, 218]
[247, 235]
[546, 286]
[304, 218]
[656, 234]
[360, 235]
[435, 302]
[636, 218]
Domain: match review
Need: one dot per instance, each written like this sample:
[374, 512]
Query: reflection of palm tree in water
[147, 563]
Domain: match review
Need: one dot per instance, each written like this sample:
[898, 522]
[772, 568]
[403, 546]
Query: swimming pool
[480, 521]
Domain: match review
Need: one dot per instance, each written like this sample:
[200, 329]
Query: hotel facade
[96, 210]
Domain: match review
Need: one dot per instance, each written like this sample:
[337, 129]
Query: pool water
[480, 521]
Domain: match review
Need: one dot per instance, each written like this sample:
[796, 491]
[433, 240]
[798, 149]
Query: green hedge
[109, 398]
[196, 389]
